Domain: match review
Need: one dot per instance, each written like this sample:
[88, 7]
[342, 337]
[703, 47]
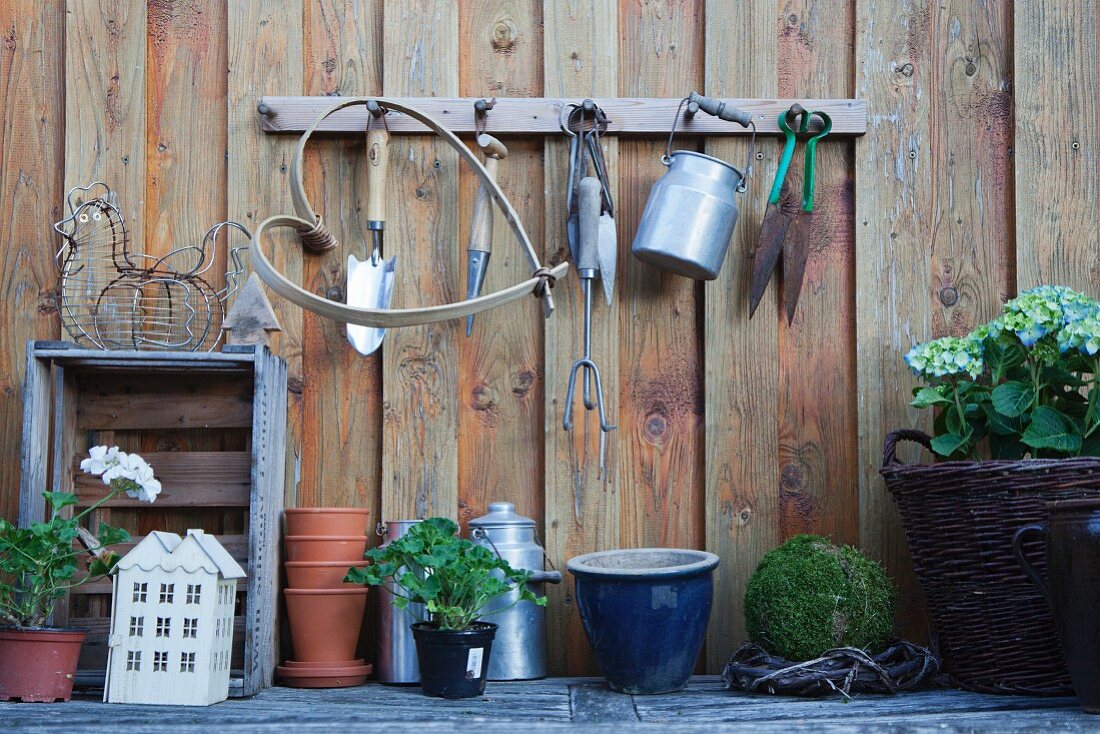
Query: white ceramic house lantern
[171, 635]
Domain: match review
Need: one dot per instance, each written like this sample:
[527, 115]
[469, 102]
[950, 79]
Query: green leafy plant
[1025, 384]
[37, 563]
[453, 578]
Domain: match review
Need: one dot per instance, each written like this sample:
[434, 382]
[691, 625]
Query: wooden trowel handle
[481, 224]
[378, 163]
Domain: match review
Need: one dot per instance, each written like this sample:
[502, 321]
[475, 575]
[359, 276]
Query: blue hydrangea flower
[1044, 310]
[1083, 335]
[949, 355]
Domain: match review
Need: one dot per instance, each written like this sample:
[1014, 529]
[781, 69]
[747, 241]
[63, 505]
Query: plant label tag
[473, 663]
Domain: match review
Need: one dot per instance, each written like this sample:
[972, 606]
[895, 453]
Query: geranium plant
[453, 578]
[38, 563]
[1024, 384]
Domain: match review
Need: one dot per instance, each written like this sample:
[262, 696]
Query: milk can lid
[501, 514]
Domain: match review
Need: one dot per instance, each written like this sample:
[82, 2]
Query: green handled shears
[786, 229]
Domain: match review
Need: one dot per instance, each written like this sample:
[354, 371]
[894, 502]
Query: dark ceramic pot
[645, 611]
[1071, 586]
[453, 663]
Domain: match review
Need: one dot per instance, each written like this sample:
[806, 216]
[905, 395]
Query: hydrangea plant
[38, 563]
[1024, 384]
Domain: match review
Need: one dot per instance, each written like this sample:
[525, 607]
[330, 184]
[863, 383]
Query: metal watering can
[519, 648]
[397, 661]
[692, 209]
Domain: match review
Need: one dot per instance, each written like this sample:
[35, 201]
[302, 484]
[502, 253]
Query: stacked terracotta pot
[325, 614]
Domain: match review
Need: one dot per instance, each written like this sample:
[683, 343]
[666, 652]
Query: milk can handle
[550, 577]
[734, 114]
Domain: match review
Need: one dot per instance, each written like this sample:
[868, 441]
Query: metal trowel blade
[607, 254]
[369, 286]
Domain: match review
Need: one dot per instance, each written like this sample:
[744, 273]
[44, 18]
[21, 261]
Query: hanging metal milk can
[519, 648]
[692, 209]
[397, 663]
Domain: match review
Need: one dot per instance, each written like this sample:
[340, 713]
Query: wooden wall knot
[504, 34]
[483, 398]
[522, 382]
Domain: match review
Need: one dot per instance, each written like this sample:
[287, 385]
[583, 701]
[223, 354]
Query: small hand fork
[589, 193]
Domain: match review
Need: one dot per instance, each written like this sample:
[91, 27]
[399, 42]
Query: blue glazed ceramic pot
[645, 611]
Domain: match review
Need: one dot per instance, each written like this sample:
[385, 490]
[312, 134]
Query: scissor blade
[796, 250]
[773, 230]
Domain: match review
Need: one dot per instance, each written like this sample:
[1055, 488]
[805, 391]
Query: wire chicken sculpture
[112, 298]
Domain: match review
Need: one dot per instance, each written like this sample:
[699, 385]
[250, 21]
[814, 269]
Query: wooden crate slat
[140, 400]
[189, 479]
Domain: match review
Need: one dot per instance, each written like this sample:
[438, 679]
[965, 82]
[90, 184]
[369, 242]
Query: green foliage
[1026, 383]
[808, 596]
[37, 563]
[453, 578]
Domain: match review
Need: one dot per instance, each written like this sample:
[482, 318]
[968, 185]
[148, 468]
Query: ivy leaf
[1052, 429]
[60, 500]
[1012, 399]
[926, 397]
[948, 443]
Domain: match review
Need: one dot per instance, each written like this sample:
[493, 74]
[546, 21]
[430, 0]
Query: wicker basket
[996, 633]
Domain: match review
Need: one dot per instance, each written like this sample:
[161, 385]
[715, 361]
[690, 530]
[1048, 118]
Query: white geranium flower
[100, 459]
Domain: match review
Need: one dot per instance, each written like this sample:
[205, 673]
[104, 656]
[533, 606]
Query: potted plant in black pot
[37, 567]
[1017, 426]
[455, 580]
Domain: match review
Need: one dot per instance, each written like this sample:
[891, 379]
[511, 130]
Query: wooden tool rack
[540, 115]
[212, 425]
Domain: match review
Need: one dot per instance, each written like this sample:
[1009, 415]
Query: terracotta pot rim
[307, 665]
[335, 671]
[326, 592]
[57, 634]
[326, 510]
[323, 564]
[320, 538]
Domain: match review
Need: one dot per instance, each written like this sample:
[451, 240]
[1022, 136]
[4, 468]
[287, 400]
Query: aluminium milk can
[519, 648]
[690, 215]
[397, 663]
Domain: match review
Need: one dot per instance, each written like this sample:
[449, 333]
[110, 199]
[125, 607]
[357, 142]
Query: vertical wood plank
[818, 488]
[265, 52]
[419, 373]
[741, 372]
[31, 180]
[1057, 152]
[893, 261]
[342, 390]
[105, 101]
[973, 249]
[500, 394]
[582, 509]
[661, 378]
[186, 89]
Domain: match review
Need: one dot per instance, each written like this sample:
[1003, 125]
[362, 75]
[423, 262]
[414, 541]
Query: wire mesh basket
[113, 298]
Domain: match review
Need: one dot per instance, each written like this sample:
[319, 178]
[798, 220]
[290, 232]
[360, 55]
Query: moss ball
[808, 596]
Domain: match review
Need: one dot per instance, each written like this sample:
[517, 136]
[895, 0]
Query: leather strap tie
[546, 281]
[319, 238]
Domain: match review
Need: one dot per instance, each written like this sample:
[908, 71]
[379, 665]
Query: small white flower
[147, 490]
[100, 459]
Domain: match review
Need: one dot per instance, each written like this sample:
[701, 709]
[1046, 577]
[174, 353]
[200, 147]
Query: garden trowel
[370, 281]
[480, 246]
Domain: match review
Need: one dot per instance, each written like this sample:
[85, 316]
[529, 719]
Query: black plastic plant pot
[453, 663]
[645, 611]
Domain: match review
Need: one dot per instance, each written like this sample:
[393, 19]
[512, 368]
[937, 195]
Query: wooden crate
[213, 428]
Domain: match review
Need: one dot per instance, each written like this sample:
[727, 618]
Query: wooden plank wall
[977, 178]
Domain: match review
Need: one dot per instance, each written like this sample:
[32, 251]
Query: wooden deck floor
[561, 703]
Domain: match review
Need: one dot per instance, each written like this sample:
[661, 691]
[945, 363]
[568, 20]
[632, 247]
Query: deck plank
[582, 704]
